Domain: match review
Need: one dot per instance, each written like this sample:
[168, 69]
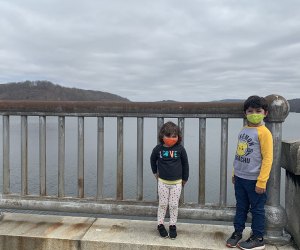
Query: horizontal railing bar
[136, 115]
[139, 109]
[142, 209]
[108, 200]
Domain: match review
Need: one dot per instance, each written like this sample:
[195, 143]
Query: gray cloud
[155, 50]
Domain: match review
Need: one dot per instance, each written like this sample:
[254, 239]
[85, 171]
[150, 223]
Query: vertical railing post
[6, 167]
[42, 154]
[61, 156]
[80, 157]
[140, 156]
[100, 157]
[24, 155]
[275, 214]
[160, 123]
[120, 158]
[223, 162]
[181, 128]
[202, 146]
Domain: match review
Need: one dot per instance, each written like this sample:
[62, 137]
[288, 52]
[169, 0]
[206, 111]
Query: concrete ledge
[290, 156]
[27, 231]
[45, 232]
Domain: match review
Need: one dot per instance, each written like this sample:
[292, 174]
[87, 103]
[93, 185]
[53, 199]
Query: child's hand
[232, 180]
[183, 183]
[156, 176]
[260, 190]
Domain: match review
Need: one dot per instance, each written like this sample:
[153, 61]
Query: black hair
[255, 101]
[168, 129]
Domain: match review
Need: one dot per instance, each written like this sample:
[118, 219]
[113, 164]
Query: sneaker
[253, 242]
[234, 239]
[162, 231]
[172, 232]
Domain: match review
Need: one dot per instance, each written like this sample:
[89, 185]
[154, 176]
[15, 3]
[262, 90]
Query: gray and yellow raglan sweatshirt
[254, 154]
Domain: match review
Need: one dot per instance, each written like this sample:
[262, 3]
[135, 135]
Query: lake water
[213, 138]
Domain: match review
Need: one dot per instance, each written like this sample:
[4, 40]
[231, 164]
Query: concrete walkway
[49, 232]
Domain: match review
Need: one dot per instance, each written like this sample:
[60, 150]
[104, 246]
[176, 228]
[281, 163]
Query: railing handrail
[125, 109]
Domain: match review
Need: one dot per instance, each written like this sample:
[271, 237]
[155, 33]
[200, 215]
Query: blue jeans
[247, 199]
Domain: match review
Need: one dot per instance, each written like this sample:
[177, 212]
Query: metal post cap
[278, 108]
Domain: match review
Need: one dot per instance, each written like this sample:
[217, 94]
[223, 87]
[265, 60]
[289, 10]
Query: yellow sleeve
[266, 146]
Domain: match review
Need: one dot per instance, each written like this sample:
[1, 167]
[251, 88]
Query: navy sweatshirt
[171, 163]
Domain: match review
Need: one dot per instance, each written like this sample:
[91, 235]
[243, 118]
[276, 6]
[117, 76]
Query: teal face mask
[255, 118]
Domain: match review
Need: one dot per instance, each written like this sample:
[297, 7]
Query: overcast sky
[184, 50]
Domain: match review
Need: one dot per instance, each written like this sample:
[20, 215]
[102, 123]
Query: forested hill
[47, 91]
[294, 105]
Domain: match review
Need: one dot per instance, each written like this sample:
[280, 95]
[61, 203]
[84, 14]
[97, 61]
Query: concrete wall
[291, 162]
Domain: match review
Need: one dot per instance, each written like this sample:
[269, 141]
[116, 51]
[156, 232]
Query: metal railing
[139, 207]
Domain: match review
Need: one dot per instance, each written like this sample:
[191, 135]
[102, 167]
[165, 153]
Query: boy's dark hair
[255, 101]
[168, 129]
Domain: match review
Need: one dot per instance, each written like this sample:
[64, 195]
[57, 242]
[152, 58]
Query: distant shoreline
[47, 91]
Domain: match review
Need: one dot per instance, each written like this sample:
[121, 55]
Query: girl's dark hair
[168, 129]
[255, 101]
